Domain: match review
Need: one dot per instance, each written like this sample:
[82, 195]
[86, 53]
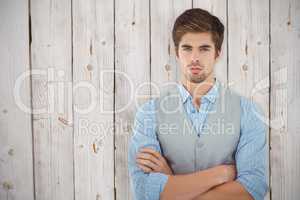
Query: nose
[195, 56]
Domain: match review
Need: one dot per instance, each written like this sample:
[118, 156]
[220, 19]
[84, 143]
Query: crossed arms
[214, 183]
[152, 178]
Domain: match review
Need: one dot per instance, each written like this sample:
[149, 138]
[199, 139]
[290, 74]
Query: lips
[195, 70]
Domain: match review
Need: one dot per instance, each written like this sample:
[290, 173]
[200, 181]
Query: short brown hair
[198, 20]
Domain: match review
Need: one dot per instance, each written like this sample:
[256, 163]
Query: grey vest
[185, 150]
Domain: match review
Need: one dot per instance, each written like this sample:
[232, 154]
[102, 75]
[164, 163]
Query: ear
[219, 54]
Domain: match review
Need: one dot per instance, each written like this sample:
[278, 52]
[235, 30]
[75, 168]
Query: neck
[197, 90]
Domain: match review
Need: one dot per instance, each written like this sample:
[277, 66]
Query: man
[198, 140]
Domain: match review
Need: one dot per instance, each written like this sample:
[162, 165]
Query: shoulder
[250, 107]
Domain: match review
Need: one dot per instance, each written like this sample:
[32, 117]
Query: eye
[187, 49]
[204, 49]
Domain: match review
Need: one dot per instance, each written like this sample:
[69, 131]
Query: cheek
[183, 58]
[210, 59]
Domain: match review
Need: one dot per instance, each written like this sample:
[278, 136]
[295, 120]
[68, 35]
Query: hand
[229, 172]
[151, 161]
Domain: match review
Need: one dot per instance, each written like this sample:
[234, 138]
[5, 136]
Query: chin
[197, 79]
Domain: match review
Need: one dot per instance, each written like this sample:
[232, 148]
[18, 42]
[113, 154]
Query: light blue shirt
[250, 155]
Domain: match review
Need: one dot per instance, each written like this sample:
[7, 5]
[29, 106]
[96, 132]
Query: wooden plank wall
[51, 52]
[285, 103]
[16, 160]
[93, 64]
[93, 83]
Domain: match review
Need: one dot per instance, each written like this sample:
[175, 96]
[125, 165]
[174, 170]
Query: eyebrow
[202, 46]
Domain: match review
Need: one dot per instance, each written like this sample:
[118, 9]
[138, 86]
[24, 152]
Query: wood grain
[285, 103]
[93, 78]
[51, 53]
[16, 161]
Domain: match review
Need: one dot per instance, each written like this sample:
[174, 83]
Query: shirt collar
[211, 95]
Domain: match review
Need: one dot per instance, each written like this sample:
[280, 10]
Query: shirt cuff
[155, 185]
[257, 191]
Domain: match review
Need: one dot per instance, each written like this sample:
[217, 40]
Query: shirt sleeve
[251, 152]
[145, 186]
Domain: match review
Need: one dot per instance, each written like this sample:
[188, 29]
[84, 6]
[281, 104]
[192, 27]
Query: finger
[147, 163]
[145, 169]
[148, 156]
[153, 152]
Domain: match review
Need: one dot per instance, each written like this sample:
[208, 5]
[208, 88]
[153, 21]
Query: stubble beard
[197, 78]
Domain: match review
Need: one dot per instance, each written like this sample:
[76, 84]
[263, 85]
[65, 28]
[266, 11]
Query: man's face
[197, 56]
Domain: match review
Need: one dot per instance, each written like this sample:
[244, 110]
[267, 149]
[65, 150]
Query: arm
[190, 185]
[144, 186]
[228, 191]
[185, 186]
[250, 160]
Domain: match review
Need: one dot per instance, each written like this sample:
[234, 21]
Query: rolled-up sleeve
[145, 186]
[251, 154]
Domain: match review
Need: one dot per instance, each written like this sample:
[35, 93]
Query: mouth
[195, 70]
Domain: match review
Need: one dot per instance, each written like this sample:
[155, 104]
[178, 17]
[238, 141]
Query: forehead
[197, 39]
